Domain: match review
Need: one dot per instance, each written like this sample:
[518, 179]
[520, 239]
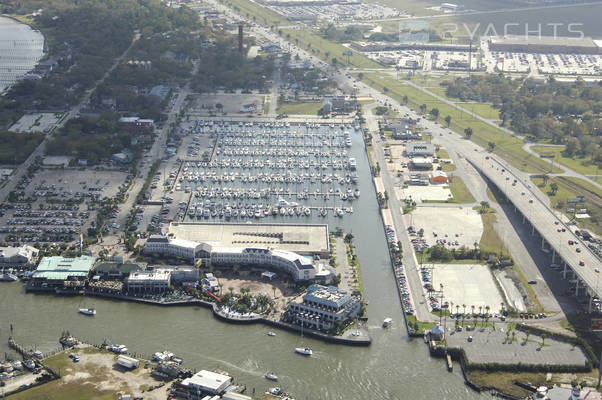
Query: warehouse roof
[61, 268]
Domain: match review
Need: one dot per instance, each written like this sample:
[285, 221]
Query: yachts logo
[414, 31]
[555, 30]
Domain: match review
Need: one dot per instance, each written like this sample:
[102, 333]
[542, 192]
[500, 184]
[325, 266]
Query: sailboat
[304, 351]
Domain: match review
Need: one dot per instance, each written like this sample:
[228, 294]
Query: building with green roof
[57, 271]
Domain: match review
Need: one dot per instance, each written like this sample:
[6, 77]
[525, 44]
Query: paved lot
[420, 193]
[491, 346]
[36, 122]
[231, 103]
[470, 284]
[447, 222]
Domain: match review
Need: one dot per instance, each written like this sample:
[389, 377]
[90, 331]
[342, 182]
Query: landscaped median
[507, 146]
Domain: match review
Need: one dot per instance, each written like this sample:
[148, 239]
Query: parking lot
[426, 60]
[470, 284]
[493, 346]
[209, 104]
[429, 193]
[35, 122]
[336, 12]
[452, 226]
[562, 64]
[57, 204]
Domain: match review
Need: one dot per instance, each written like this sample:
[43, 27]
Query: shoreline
[363, 339]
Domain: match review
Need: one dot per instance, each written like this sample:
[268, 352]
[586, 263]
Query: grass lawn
[327, 50]
[262, 14]
[309, 108]
[448, 167]
[583, 165]
[491, 241]
[484, 110]
[460, 191]
[442, 153]
[507, 146]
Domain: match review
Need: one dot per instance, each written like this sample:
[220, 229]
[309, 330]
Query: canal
[393, 367]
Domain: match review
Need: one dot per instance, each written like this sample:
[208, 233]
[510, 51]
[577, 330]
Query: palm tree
[472, 308]
[486, 316]
[457, 308]
[527, 333]
[513, 335]
[543, 339]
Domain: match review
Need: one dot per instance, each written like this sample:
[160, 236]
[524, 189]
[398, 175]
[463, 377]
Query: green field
[491, 241]
[327, 50]
[582, 165]
[259, 13]
[460, 191]
[507, 146]
[484, 110]
[309, 108]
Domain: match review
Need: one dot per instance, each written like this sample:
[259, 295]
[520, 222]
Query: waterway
[21, 47]
[393, 367]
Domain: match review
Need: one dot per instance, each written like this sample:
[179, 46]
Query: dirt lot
[94, 376]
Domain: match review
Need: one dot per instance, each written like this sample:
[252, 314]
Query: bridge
[581, 267]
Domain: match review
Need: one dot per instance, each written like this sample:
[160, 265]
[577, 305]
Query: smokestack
[240, 38]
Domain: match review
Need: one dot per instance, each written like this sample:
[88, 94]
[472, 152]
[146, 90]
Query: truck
[128, 362]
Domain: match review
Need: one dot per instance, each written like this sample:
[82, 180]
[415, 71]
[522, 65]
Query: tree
[423, 108]
[448, 120]
[553, 188]
[434, 113]
[405, 99]
[491, 146]
[545, 178]
[468, 132]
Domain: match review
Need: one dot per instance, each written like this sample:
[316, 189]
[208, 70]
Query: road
[41, 149]
[156, 151]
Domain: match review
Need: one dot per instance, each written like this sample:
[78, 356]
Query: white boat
[270, 333]
[352, 163]
[305, 351]
[8, 277]
[87, 311]
[271, 376]
[387, 322]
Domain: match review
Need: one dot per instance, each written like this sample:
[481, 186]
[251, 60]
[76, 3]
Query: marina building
[18, 256]
[438, 177]
[322, 307]
[57, 271]
[421, 163]
[546, 44]
[299, 267]
[420, 150]
[180, 274]
[206, 383]
[305, 239]
[175, 247]
[156, 281]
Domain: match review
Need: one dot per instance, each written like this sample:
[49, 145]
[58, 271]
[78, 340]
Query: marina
[336, 371]
[277, 170]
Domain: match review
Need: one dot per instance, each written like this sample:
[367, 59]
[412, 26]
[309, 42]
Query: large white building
[206, 382]
[156, 281]
[24, 255]
[299, 267]
[321, 307]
